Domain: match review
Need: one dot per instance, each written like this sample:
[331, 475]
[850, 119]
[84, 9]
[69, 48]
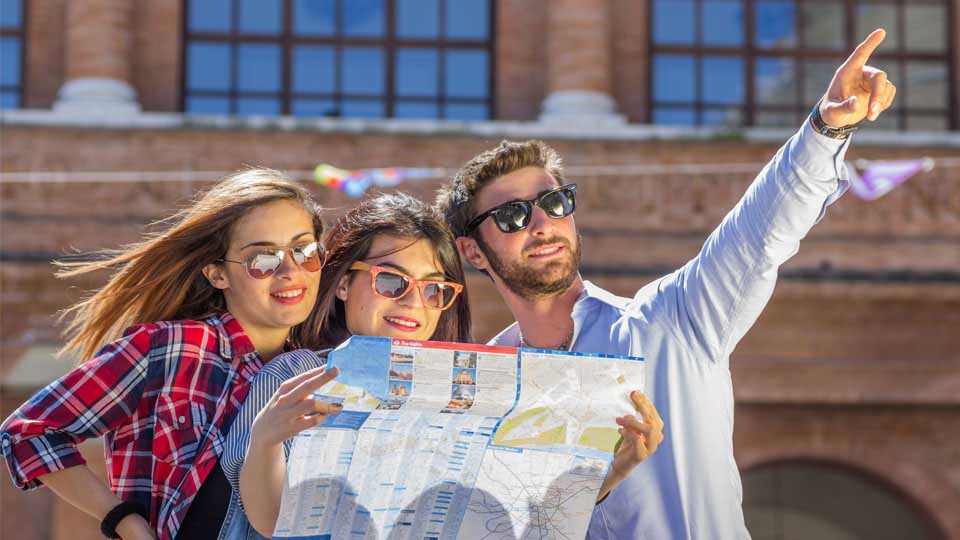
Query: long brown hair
[161, 277]
[396, 214]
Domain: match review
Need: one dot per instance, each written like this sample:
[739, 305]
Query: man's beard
[527, 282]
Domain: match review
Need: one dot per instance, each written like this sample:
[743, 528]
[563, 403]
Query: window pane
[775, 81]
[210, 15]
[722, 118]
[9, 61]
[314, 107]
[722, 22]
[926, 84]
[315, 17]
[417, 72]
[363, 18]
[465, 73]
[260, 16]
[673, 22]
[258, 106]
[258, 67]
[418, 18]
[774, 24]
[208, 105]
[415, 110]
[363, 71]
[11, 13]
[9, 100]
[467, 19]
[926, 27]
[357, 108]
[916, 122]
[816, 77]
[722, 80]
[871, 16]
[208, 66]
[465, 111]
[314, 69]
[888, 121]
[674, 78]
[824, 25]
[674, 116]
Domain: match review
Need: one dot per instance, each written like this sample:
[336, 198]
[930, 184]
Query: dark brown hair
[455, 200]
[396, 214]
[161, 277]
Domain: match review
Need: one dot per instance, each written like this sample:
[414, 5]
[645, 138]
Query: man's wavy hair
[456, 199]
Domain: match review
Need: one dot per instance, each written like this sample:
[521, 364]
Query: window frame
[21, 34]
[799, 53]
[389, 43]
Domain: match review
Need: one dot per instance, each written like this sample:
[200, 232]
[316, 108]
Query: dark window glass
[466, 73]
[11, 53]
[417, 72]
[723, 22]
[363, 18]
[467, 20]
[315, 17]
[349, 58]
[260, 16]
[767, 62]
[418, 18]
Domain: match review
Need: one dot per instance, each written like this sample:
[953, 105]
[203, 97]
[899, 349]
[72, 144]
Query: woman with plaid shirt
[229, 279]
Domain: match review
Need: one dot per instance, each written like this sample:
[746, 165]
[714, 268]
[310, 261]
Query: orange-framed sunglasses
[392, 284]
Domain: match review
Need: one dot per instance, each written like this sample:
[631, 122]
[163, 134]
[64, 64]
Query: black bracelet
[113, 518]
[821, 127]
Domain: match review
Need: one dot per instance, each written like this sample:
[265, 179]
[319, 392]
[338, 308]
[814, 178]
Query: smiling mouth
[546, 251]
[289, 296]
[402, 323]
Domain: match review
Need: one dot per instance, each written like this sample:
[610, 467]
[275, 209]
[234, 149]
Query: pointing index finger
[863, 51]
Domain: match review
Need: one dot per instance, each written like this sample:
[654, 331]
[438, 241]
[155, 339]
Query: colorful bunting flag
[356, 182]
[880, 177]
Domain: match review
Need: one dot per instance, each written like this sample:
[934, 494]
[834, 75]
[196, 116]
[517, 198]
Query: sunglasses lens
[438, 295]
[309, 257]
[558, 204]
[391, 285]
[263, 265]
[513, 217]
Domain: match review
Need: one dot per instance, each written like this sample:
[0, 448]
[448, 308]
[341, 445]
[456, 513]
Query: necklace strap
[564, 346]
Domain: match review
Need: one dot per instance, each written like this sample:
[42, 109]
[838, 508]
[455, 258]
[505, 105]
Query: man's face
[541, 260]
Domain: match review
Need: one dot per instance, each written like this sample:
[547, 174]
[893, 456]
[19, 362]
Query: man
[514, 222]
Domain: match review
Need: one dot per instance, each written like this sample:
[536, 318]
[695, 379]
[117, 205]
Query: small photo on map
[403, 372]
[398, 357]
[400, 388]
[462, 396]
[391, 404]
[464, 376]
[465, 359]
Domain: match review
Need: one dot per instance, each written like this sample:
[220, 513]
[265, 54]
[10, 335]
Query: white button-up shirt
[686, 324]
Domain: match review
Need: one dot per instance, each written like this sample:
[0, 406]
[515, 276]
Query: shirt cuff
[38, 456]
[820, 157]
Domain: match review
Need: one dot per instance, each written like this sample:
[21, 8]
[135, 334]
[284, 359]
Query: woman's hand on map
[640, 438]
[293, 408]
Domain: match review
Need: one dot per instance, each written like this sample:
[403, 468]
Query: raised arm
[718, 295]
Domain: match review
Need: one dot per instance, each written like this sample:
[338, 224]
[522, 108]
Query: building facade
[848, 387]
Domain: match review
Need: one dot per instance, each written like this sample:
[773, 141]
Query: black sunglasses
[514, 216]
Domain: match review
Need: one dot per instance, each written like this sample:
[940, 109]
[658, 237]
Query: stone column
[98, 51]
[579, 64]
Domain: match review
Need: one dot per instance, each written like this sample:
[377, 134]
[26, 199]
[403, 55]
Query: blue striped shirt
[264, 385]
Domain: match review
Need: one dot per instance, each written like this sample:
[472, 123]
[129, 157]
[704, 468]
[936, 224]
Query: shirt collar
[234, 342]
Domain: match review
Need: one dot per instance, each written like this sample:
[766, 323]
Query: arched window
[11, 53]
[804, 500]
[766, 62]
[350, 58]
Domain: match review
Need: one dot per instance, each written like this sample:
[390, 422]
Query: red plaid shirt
[163, 397]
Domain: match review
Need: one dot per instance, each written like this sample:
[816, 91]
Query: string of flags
[877, 179]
